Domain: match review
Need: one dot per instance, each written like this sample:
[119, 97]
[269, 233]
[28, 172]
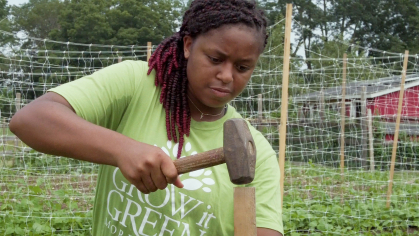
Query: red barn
[381, 96]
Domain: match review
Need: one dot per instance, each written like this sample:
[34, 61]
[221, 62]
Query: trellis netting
[54, 195]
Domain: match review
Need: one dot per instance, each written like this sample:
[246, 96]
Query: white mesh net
[55, 195]
[318, 198]
[42, 193]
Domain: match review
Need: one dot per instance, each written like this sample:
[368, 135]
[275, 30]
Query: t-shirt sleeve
[102, 97]
[266, 183]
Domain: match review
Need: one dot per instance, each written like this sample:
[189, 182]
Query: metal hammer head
[239, 151]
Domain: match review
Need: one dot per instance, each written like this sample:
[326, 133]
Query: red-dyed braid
[170, 64]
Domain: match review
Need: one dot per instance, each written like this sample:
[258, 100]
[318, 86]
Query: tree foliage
[5, 25]
[113, 22]
[391, 25]
[321, 27]
[37, 18]
[117, 22]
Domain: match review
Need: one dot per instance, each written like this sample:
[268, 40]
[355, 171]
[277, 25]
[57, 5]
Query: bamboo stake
[342, 118]
[4, 129]
[260, 108]
[18, 106]
[371, 140]
[322, 102]
[396, 132]
[260, 112]
[148, 51]
[322, 115]
[342, 124]
[245, 211]
[18, 101]
[284, 101]
[364, 131]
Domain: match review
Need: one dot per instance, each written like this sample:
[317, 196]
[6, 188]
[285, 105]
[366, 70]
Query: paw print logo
[194, 183]
[199, 179]
[186, 149]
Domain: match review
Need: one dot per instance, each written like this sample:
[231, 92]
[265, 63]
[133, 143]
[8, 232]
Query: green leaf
[35, 189]
[19, 231]
[9, 230]
[6, 207]
[38, 228]
[313, 224]
[40, 181]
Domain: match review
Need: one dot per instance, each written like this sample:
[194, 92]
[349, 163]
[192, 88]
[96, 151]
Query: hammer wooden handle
[200, 161]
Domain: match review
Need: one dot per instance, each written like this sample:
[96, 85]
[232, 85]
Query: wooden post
[119, 59]
[311, 111]
[342, 118]
[364, 126]
[260, 112]
[396, 132]
[342, 123]
[18, 101]
[322, 112]
[18, 106]
[371, 140]
[322, 115]
[284, 100]
[148, 51]
[260, 108]
[4, 132]
[244, 211]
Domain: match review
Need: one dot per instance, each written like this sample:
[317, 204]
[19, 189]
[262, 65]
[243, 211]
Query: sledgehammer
[239, 153]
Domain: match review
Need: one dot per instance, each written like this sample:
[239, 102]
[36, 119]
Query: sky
[17, 2]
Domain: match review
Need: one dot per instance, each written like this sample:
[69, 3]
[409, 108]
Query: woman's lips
[219, 92]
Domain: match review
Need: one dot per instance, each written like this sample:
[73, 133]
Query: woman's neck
[200, 112]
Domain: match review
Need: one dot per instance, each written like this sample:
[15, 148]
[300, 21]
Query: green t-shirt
[123, 98]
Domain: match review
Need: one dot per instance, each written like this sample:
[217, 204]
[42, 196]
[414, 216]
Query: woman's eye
[242, 68]
[214, 60]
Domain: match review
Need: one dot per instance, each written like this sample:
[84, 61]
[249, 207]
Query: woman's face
[220, 63]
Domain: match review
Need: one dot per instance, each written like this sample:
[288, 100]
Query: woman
[134, 118]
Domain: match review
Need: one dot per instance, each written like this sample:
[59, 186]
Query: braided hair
[169, 61]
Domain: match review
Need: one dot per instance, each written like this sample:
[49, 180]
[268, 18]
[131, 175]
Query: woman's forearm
[49, 125]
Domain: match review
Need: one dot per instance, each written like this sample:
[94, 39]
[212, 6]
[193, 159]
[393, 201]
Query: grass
[8, 149]
[43, 205]
[320, 201]
[45, 195]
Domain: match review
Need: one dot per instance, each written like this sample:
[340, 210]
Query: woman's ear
[187, 45]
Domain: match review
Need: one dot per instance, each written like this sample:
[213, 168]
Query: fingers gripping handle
[200, 161]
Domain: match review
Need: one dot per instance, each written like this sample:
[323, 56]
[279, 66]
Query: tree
[118, 22]
[323, 25]
[109, 22]
[37, 18]
[4, 10]
[5, 40]
[308, 17]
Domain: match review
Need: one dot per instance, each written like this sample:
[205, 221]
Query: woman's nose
[226, 73]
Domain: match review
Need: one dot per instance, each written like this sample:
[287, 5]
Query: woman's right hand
[147, 167]
[50, 125]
